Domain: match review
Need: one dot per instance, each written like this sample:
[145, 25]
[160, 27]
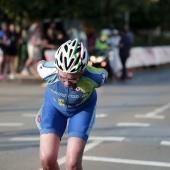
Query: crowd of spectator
[21, 50]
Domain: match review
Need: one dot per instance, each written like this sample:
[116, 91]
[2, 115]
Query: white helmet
[71, 57]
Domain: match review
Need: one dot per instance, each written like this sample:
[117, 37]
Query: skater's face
[69, 79]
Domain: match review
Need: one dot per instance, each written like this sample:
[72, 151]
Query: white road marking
[106, 138]
[25, 139]
[154, 113]
[167, 143]
[11, 124]
[126, 161]
[101, 115]
[93, 138]
[150, 117]
[92, 145]
[129, 124]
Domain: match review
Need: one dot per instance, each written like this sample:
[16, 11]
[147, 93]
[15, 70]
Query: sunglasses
[69, 80]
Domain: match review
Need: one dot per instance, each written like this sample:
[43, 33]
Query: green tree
[99, 13]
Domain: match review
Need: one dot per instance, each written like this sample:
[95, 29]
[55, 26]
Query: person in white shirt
[115, 63]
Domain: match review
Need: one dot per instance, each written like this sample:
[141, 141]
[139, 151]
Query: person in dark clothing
[3, 45]
[61, 38]
[124, 51]
[49, 41]
[3, 37]
[12, 52]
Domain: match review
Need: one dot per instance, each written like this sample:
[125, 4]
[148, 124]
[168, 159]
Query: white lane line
[25, 139]
[129, 124]
[154, 113]
[126, 161]
[92, 145]
[93, 138]
[87, 148]
[11, 124]
[101, 115]
[150, 117]
[106, 138]
[167, 143]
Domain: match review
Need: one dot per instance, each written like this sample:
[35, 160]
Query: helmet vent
[71, 62]
[66, 48]
[77, 61]
[66, 63]
[84, 55]
[74, 42]
[61, 58]
[59, 66]
[78, 49]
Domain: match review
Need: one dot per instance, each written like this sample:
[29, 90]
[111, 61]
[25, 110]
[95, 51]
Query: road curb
[23, 79]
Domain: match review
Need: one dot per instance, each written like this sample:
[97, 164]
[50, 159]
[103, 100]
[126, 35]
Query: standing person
[12, 52]
[70, 96]
[114, 58]
[124, 51]
[34, 47]
[23, 54]
[49, 41]
[101, 44]
[3, 45]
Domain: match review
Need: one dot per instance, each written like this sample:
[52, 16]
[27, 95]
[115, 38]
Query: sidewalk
[23, 79]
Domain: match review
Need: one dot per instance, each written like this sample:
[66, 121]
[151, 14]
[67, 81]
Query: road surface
[132, 129]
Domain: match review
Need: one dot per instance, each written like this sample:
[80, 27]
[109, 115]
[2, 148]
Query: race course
[131, 132]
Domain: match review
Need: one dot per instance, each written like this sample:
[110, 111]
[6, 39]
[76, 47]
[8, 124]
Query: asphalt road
[132, 129]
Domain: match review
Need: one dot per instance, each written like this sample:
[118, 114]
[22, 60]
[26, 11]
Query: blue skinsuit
[76, 103]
